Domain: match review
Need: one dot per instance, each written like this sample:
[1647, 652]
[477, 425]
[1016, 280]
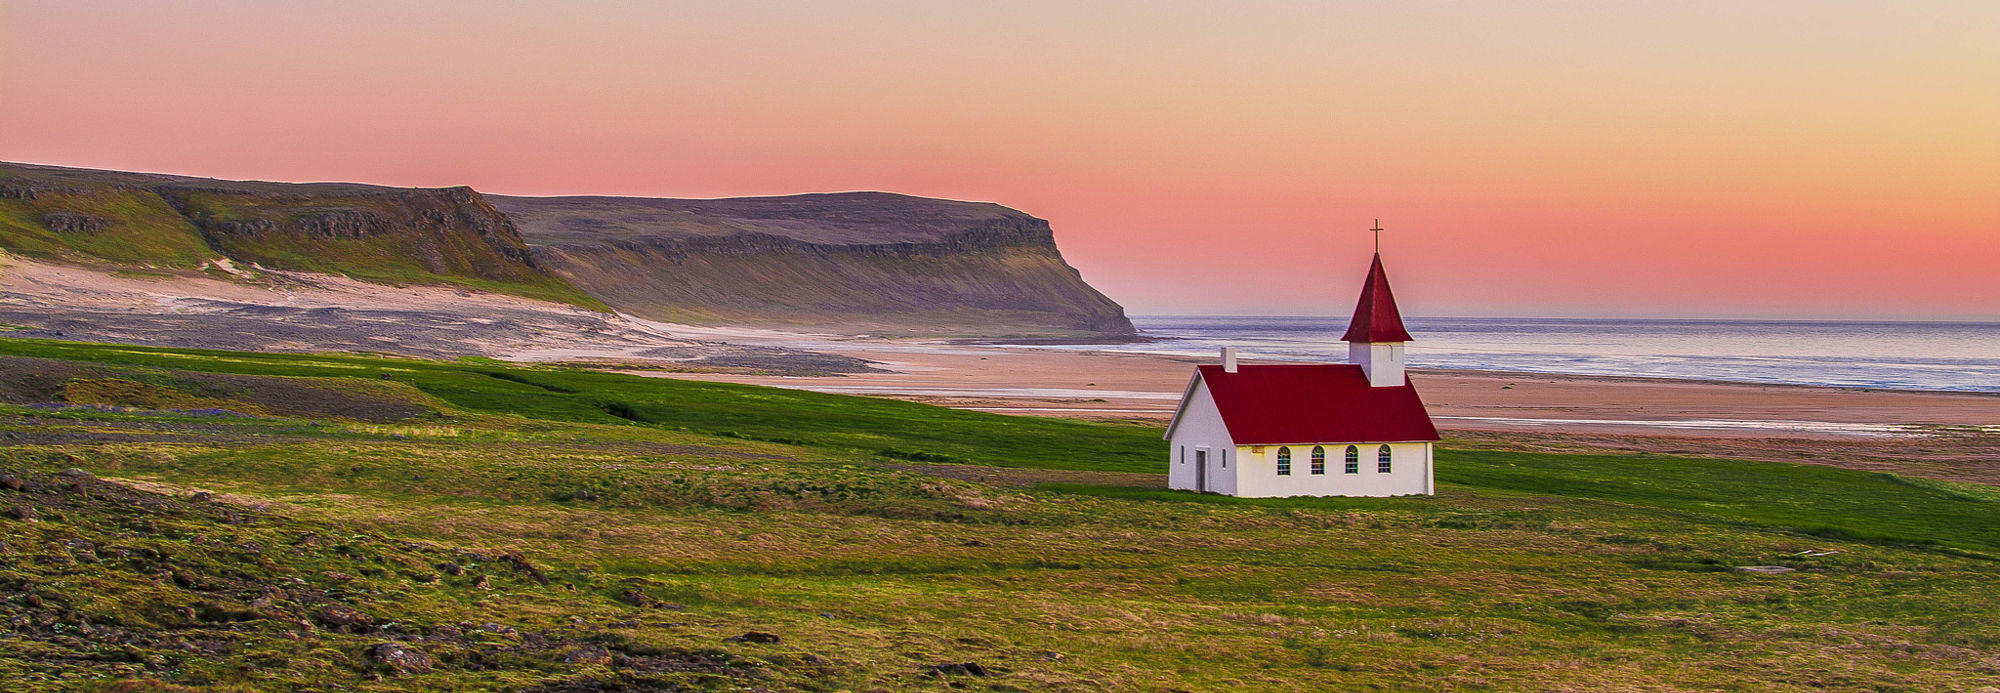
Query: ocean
[1951, 356]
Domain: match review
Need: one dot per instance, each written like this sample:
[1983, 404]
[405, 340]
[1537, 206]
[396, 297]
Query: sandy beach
[1943, 435]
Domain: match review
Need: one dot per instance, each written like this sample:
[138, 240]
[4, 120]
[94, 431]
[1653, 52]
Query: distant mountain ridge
[871, 262]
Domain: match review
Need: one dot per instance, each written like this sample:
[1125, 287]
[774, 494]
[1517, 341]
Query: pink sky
[1772, 159]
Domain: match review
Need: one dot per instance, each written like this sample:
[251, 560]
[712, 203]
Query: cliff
[849, 262]
[877, 262]
[380, 234]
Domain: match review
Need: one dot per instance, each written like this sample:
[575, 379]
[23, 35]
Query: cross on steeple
[1378, 236]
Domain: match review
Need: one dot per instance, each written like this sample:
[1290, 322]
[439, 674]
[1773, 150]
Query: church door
[1201, 470]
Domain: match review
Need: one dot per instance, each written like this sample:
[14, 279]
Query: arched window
[1353, 460]
[1382, 460]
[1319, 460]
[1284, 461]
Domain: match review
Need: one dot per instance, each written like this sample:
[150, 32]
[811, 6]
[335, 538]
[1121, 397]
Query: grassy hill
[854, 262]
[446, 236]
[240, 521]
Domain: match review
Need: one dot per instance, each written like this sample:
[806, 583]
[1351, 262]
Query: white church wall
[1409, 464]
[1382, 361]
[1199, 427]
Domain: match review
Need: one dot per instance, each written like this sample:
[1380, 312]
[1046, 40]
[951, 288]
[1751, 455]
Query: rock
[589, 654]
[22, 513]
[483, 583]
[74, 474]
[957, 669]
[400, 658]
[755, 638]
[71, 222]
[342, 616]
[350, 224]
[12, 482]
[638, 599]
[450, 568]
[201, 496]
[1763, 569]
[519, 563]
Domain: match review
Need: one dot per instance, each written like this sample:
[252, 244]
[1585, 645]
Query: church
[1317, 429]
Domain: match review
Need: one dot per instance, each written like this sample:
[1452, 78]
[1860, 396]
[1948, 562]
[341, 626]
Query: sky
[1690, 159]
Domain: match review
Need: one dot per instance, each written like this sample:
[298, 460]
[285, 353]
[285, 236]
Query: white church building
[1319, 429]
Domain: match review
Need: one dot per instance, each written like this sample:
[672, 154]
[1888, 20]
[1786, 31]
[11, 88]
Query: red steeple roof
[1375, 317]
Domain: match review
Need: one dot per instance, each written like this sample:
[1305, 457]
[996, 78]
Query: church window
[1382, 460]
[1284, 461]
[1319, 460]
[1353, 460]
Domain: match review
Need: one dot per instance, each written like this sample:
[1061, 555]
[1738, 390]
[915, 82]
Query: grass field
[392, 524]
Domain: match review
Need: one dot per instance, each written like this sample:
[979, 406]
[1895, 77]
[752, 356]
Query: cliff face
[392, 235]
[871, 261]
[867, 262]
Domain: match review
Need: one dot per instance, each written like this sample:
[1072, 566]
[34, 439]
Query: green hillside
[124, 226]
[449, 236]
[239, 521]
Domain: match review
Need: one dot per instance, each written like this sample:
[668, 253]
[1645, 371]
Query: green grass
[141, 230]
[1826, 501]
[664, 516]
[902, 430]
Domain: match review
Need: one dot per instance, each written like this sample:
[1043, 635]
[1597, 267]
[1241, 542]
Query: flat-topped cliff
[872, 261]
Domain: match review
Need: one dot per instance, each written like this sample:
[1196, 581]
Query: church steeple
[1375, 316]
[1375, 336]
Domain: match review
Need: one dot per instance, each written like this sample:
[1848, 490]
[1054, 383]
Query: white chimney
[1229, 359]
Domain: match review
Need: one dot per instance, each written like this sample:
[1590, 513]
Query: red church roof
[1375, 317]
[1315, 403]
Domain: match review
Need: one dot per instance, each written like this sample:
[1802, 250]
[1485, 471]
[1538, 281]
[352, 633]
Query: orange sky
[1772, 159]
